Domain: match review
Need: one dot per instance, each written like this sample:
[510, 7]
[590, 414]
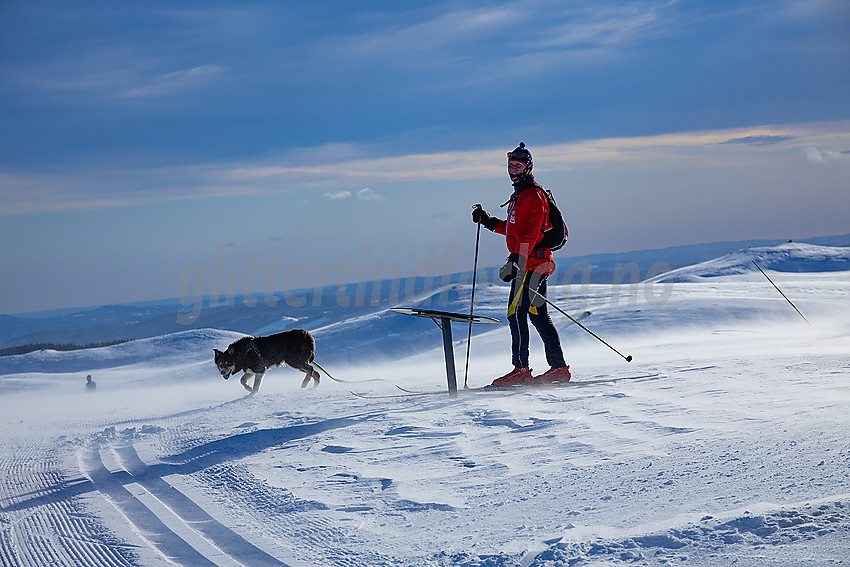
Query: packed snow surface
[735, 451]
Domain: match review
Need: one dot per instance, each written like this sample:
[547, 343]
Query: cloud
[91, 187]
[364, 194]
[172, 82]
[598, 26]
[367, 194]
[89, 61]
[456, 46]
[111, 79]
[759, 140]
[337, 195]
[820, 155]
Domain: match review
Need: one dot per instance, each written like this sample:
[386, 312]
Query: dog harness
[252, 346]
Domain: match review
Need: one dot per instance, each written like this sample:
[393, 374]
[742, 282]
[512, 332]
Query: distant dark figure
[91, 386]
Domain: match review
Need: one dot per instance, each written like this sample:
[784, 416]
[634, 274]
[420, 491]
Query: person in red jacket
[528, 265]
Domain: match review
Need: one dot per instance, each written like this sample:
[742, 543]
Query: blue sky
[149, 145]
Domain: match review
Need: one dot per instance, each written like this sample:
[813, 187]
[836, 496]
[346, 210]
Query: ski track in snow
[736, 454]
[40, 524]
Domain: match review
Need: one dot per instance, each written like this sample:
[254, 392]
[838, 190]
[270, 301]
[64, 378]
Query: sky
[164, 149]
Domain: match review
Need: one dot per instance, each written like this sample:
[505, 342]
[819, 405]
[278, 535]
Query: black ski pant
[522, 306]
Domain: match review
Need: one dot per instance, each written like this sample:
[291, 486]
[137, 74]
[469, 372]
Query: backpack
[556, 236]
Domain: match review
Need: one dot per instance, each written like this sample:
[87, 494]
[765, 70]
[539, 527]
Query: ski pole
[472, 302]
[780, 291]
[564, 313]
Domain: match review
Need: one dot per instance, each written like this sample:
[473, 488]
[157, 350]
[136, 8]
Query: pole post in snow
[565, 314]
[446, 325]
[472, 301]
[780, 291]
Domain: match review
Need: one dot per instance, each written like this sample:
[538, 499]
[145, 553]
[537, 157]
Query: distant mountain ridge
[323, 309]
[789, 257]
[187, 347]
[606, 266]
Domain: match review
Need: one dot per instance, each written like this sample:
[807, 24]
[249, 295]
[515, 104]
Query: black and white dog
[255, 355]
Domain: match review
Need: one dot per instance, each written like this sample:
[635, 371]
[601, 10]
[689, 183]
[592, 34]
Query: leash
[328, 374]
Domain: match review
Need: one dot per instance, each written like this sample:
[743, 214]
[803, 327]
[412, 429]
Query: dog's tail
[316, 365]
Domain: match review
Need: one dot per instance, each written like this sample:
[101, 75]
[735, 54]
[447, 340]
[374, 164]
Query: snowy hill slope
[352, 333]
[735, 454]
[188, 347]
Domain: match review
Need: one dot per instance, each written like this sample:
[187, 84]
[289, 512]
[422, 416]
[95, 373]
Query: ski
[405, 393]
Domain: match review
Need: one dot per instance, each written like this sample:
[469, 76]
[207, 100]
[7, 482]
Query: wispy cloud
[108, 77]
[759, 140]
[88, 56]
[173, 82]
[458, 45]
[425, 37]
[34, 192]
[604, 25]
[365, 194]
[821, 155]
[337, 195]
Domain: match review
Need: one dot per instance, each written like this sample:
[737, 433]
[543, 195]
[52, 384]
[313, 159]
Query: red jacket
[528, 217]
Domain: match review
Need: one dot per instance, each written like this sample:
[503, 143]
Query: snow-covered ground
[737, 453]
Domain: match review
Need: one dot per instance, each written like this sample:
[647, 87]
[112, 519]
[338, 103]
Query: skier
[91, 386]
[528, 217]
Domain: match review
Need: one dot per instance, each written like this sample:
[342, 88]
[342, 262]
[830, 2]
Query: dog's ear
[217, 352]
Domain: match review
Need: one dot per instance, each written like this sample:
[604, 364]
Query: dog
[256, 355]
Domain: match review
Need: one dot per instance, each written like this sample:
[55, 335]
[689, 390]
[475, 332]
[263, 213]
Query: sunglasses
[514, 165]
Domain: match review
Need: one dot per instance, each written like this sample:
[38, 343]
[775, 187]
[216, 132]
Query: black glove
[479, 215]
[508, 271]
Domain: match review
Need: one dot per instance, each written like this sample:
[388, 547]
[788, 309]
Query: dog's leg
[244, 380]
[309, 373]
[258, 379]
